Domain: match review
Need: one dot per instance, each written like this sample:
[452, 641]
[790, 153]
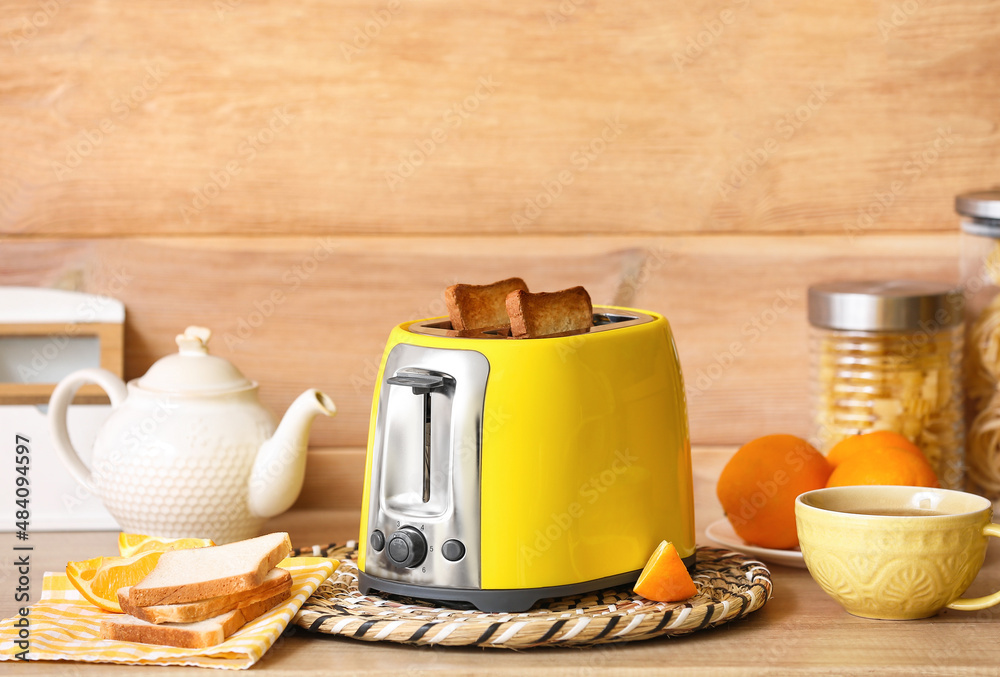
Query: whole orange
[866, 442]
[760, 483]
[884, 465]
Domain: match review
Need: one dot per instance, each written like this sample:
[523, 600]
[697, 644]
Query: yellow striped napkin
[66, 627]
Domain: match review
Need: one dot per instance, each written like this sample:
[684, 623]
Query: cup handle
[976, 603]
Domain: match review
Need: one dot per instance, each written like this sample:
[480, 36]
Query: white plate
[721, 531]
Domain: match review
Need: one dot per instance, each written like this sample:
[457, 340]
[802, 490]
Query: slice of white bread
[196, 574]
[196, 635]
[277, 581]
[472, 306]
[546, 313]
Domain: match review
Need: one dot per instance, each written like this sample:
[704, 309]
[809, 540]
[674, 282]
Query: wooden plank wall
[301, 176]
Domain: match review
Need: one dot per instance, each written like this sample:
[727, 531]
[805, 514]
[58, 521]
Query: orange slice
[133, 544]
[665, 578]
[98, 579]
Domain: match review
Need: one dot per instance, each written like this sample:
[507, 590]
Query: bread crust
[472, 307]
[547, 313]
[278, 581]
[196, 635]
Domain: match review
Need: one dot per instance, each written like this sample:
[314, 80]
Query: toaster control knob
[377, 540]
[453, 550]
[407, 547]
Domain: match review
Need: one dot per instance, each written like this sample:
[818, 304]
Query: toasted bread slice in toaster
[545, 313]
[472, 306]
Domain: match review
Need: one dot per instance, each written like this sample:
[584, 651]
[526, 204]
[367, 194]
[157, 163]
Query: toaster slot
[601, 319]
[605, 318]
[426, 493]
[419, 441]
[423, 384]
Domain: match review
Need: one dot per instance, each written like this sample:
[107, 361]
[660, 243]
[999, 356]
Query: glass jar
[980, 270]
[980, 264]
[887, 355]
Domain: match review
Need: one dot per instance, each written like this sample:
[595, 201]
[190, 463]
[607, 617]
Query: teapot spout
[280, 466]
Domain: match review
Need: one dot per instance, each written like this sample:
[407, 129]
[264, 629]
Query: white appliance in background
[46, 334]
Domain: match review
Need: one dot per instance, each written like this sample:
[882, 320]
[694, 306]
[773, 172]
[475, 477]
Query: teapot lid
[192, 369]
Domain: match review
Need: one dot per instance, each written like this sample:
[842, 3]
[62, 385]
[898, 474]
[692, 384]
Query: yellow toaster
[502, 471]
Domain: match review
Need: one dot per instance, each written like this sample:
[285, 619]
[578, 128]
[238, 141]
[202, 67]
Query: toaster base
[515, 600]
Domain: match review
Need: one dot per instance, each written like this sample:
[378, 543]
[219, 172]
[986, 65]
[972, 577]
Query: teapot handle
[61, 398]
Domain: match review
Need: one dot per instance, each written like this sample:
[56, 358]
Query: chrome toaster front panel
[425, 475]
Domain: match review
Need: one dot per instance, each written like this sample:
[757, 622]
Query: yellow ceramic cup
[895, 552]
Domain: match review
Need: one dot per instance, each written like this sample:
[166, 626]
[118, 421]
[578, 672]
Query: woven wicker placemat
[730, 586]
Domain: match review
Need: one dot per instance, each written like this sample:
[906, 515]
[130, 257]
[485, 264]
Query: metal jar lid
[885, 305]
[983, 209]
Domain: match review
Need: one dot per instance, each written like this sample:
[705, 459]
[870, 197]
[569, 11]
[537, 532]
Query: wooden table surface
[800, 630]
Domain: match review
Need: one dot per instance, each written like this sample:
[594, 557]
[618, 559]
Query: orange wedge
[665, 578]
[133, 544]
[98, 579]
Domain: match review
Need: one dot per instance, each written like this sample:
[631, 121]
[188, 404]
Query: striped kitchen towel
[63, 626]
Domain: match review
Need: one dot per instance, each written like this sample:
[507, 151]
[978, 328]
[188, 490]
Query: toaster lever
[422, 384]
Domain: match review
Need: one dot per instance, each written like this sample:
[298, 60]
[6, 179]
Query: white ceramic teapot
[188, 449]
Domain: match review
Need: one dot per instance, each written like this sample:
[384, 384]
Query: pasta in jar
[980, 212]
[888, 356]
